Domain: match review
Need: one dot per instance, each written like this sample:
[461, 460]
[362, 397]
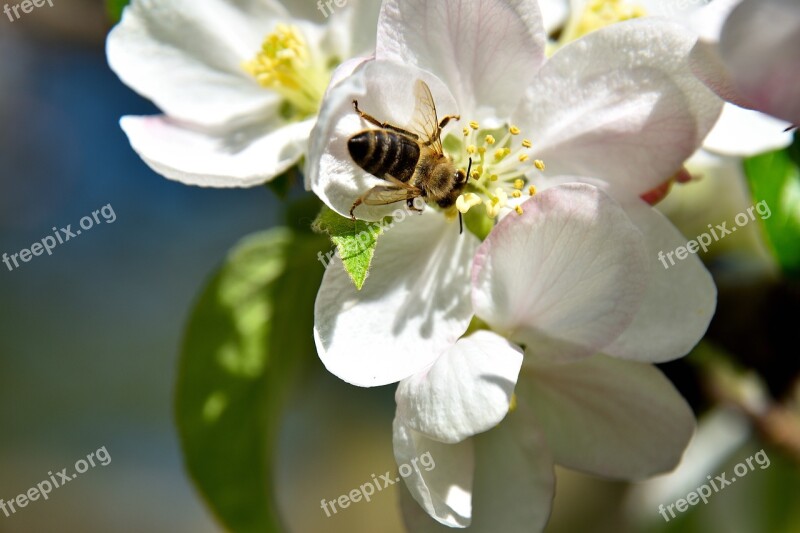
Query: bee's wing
[389, 194]
[424, 122]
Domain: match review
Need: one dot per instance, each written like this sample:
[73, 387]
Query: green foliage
[354, 239]
[247, 342]
[114, 9]
[774, 179]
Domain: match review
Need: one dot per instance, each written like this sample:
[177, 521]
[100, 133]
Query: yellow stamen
[523, 158]
[516, 194]
[532, 190]
[490, 139]
[526, 143]
[513, 130]
[467, 201]
[518, 209]
[474, 125]
[599, 14]
[285, 65]
[493, 177]
[466, 131]
[539, 164]
[471, 149]
[519, 183]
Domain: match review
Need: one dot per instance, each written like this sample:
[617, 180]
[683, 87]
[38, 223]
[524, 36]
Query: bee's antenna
[460, 217]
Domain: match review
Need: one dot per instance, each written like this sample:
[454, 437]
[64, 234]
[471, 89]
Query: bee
[411, 161]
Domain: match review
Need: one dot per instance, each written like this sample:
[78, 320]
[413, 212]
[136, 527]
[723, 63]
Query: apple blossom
[618, 108]
[239, 82]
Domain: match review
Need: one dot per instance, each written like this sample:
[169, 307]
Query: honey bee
[411, 161]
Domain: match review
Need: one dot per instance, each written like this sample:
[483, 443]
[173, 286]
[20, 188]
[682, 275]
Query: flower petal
[629, 118]
[187, 56]
[514, 481]
[384, 90]
[759, 45]
[444, 490]
[413, 307]
[466, 391]
[566, 277]
[680, 299]
[609, 417]
[486, 52]
[745, 133]
[237, 158]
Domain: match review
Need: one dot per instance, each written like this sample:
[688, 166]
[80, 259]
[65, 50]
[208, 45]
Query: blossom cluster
[532, 342]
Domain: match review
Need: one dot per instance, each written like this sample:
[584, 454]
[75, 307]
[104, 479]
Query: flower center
[599, 14]
[500, 161]
[285, 65]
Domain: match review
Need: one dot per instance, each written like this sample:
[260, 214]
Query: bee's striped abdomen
[382, 152]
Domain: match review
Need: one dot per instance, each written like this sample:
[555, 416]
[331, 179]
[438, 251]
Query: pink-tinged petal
[412, 308]
[566, 277]
[759, 46]
[442, 485]
[485, 51]
[680, 299]
[709, 68]
[236, 158]
[514, 481]
[466, 391]
[605, 416]
[620, 104]
[187, 56]
[384, 90]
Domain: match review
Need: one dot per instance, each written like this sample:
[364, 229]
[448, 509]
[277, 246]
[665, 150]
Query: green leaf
[247, 343]
[775, 183]
[354, 239]
[114, 9]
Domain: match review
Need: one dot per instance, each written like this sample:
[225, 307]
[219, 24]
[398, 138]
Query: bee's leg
[357, 203]
[385, 125]
[447, 119]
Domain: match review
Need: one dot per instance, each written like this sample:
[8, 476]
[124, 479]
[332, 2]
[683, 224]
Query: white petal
[745, 133]
[609, 417]
[679, 302]
[554, 14]
[413, 306]
[759, 45]
[466, 391]
[485, 52]
[629, 118]
[238, 158]
[187, 56]
[385, 91]
[514, 481]
[566, 277]
[445, 489]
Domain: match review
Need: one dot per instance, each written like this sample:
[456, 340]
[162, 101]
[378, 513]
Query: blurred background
[89, 337]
